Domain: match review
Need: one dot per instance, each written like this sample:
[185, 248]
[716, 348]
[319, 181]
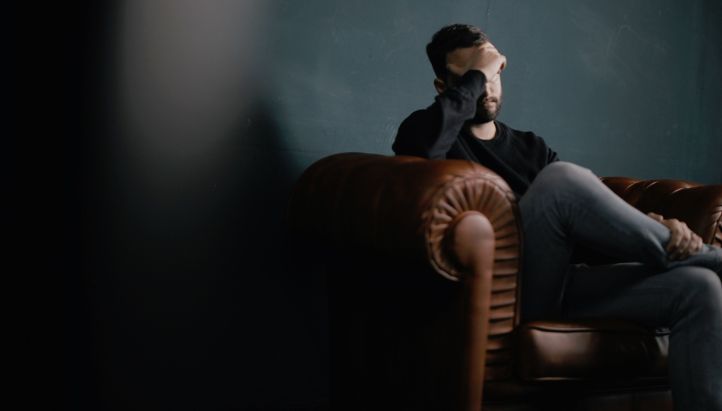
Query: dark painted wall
[623, 87]
[176, 128]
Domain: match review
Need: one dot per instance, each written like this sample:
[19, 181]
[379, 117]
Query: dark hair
[448, 39]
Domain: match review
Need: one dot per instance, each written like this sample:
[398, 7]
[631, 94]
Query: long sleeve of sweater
[430, 133]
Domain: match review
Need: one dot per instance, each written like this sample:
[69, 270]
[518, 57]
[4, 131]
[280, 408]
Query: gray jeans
[568, 205]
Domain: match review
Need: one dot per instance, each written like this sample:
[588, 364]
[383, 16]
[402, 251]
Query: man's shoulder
[421, 115]
[409, 136]
[416, 123]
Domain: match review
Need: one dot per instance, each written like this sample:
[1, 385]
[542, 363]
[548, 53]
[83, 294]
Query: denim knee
[562, 171]
[700, 288]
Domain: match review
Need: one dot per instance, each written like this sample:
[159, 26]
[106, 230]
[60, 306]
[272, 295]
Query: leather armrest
[700, 206]
[402, 206]
[455, 217]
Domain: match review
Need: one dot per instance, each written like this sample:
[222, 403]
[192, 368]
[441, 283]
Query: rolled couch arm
[413, 212]
[403, 206]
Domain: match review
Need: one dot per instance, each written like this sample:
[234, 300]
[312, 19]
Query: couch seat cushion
[591, 350]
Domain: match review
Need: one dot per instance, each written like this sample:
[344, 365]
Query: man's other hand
[683, 242]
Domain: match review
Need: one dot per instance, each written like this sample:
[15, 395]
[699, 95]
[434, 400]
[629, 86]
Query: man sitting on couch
[672, 279]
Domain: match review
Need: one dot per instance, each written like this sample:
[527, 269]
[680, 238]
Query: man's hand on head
[683, 242]
[488, 60]
[485, 58]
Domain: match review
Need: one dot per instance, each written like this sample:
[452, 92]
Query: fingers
[689, 248]
[695, 244]
[683, 248]
[656, 217]
[489, 54]
[488, 46]
[675, 238]
[683, 242]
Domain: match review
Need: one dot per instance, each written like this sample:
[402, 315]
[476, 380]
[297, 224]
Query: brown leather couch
[421, 259]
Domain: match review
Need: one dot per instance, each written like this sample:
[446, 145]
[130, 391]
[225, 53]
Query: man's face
[487, 107]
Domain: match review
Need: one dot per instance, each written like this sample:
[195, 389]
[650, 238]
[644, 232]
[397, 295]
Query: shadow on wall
[179, 293]
[192, 301]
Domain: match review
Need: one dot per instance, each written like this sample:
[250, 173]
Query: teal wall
[623, 87]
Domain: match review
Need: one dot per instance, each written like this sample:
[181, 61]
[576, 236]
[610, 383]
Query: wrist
[474, 78]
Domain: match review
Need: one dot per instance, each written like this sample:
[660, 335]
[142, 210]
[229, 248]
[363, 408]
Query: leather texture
[592, 351]
[405, 338]
[403, 206]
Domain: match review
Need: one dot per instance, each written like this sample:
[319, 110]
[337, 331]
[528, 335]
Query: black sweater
[442, 131]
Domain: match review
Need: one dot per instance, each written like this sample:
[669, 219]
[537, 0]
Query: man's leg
[568, 204]
[687, 300]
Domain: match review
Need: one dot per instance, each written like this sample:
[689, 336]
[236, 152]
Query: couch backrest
[700, 206]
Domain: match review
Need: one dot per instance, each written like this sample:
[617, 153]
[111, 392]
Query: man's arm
[430, 133]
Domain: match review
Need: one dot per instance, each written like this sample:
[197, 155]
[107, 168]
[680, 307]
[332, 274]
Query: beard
[486, 114]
